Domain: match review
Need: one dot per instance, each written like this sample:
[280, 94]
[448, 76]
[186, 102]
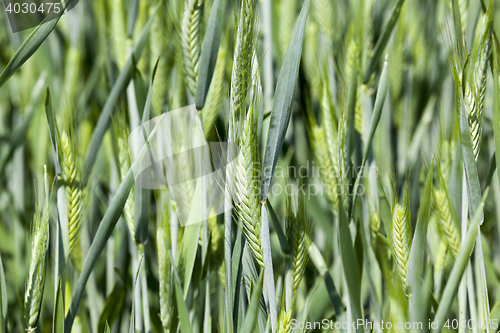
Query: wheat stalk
[39, 246]
[298, 229]
[191, 41]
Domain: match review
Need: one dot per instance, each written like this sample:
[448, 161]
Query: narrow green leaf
[142, 199]
[58, 319]
[106, 328]
[113, 306]
[209, 51]
[285, 247]
[181, 304]
[120, 84]
[319, 262]
[451, 288]
[491, 170]
[187, 254]
[250, 274]
[3, 299]
[31, 44]
[251, 315]
[377, 113]
[237, 273]
[385, 207]
[283, 100]
[457, 25]
[132, 17]
[382, 41]
[419, 243]
[132, 315]
[349, 263]
[268, 264]
[139, 86]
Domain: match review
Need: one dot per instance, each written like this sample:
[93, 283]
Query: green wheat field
[360, 187]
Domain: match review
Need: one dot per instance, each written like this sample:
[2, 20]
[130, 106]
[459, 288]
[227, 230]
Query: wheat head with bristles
[445, 223]
[401, 234]
[298, 230]
[36, 275]
[323, 11]
[117, 32]
[324, 164]
[191, 41]
[244, 50]
[247, 186]
[74, 194]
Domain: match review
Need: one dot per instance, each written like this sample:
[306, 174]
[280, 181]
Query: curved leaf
[283, 100]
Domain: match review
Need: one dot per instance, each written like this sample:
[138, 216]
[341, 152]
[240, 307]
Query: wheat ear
[323, 11]
[298, 229]
[73, 188]
[117, 32]
[475, 87]
[446, 225]
[247, 186]
[401, 234]
[242, 60]
[36, 278]
[191, 41]
[121, 129]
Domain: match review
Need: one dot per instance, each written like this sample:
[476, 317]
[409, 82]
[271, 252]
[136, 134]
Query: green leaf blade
[283, 100]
